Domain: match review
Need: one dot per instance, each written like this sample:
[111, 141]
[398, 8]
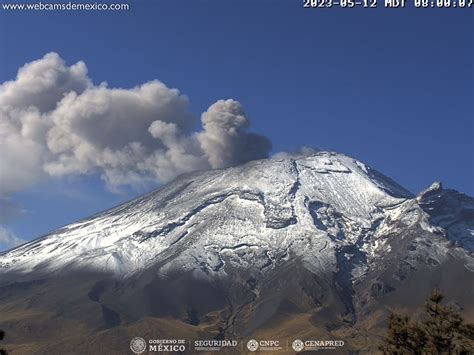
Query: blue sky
[392, 88]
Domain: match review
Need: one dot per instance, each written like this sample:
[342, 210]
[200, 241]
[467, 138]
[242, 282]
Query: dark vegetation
[2, 335]
[441, 330]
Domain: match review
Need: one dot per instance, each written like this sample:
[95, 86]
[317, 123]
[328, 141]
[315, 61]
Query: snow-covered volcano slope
[256, 216]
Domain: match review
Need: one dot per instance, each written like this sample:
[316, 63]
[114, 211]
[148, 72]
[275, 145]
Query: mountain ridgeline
[319, 246]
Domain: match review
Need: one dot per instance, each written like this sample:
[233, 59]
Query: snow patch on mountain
[321, 209]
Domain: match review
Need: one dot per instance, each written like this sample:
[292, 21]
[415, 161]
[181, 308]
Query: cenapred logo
[315, 345]
[252, 345]
[138, 345]
[297, 345]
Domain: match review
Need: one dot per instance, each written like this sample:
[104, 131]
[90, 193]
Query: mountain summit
[323, 235]
[266, 208]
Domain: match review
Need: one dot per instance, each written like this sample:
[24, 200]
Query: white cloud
[8, 239]
[42, 83]
[55, 122]
[24, 105]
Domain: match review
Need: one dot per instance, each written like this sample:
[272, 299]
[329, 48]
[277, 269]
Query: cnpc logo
[252, 345]
[264, 345]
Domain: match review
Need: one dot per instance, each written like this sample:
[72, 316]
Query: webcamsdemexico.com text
[69, 6]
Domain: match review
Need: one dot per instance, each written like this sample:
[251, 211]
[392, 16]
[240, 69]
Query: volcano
[312, 247]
